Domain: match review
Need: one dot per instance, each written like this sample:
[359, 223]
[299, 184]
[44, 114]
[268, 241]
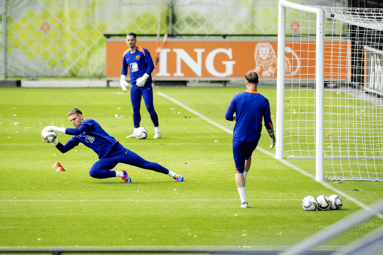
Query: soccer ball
[309, 203]
[323, 203]
[141, 133]
[48, 135]
[336, 202]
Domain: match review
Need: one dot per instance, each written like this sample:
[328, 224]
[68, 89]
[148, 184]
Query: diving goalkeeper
[247, 109]
[110, 152]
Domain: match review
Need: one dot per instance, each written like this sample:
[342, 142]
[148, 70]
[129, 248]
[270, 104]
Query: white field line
[139, 200]
[341, 193]
[68, 123]
[163, 247]
[132, 144]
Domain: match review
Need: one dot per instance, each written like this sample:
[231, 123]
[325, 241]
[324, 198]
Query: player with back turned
[140, 65]
[110, 152]
[247, 109]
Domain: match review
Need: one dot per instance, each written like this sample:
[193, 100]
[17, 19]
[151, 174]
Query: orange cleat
[126, 178]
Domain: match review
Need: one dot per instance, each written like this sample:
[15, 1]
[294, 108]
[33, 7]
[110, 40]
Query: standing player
[248, 108]
[110, 152]
[140, 65]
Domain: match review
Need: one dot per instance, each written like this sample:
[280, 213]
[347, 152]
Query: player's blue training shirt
[139, 63]
[91, 134]
[249, 107]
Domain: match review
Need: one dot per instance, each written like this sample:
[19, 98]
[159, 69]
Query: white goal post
[329, 106]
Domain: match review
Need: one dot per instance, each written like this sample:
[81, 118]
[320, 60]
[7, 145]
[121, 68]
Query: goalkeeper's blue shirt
[139, 63]
[249, 107]
[91, 134]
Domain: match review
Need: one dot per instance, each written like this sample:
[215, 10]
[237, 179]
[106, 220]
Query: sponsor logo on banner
[265, 60]
[197, 65]
[186, 60]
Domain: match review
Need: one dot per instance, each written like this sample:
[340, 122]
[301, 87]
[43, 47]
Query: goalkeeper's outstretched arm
[69, 131]
[68, 146]
[56, 129]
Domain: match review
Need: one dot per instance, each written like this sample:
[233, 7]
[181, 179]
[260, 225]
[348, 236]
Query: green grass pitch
[42, 208]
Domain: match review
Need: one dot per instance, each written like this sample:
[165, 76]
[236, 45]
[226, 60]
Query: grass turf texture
[43, 208]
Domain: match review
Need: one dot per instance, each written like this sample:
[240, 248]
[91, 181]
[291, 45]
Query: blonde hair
[74, 111]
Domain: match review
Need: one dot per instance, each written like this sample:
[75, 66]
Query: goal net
[329, 105]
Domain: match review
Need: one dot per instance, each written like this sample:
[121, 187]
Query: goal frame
[349, 69]
[319, 81]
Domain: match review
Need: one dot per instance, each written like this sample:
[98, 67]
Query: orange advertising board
[231, 59]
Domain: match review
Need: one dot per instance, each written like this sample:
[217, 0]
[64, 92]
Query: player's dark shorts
[242, 151]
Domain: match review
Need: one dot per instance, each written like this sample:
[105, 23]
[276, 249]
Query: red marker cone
[60, 168]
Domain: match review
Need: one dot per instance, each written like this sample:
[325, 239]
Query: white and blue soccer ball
[48, 136]
[141, 133]
[336, 202]
[324, 203]
[309, 203]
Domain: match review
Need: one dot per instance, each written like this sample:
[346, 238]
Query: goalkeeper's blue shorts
[119, 154]
[242, 151]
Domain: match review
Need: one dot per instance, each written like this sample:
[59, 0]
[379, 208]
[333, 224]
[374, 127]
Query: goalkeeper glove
[55, 142]
[142, 80]
[123, 83]
[56, 129]
[272, 137]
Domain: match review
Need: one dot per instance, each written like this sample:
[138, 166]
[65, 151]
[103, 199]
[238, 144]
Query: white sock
[119, 174]
[156, 129]
[242, 194]
[245, 174]
[134, 131]
[171, 174]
